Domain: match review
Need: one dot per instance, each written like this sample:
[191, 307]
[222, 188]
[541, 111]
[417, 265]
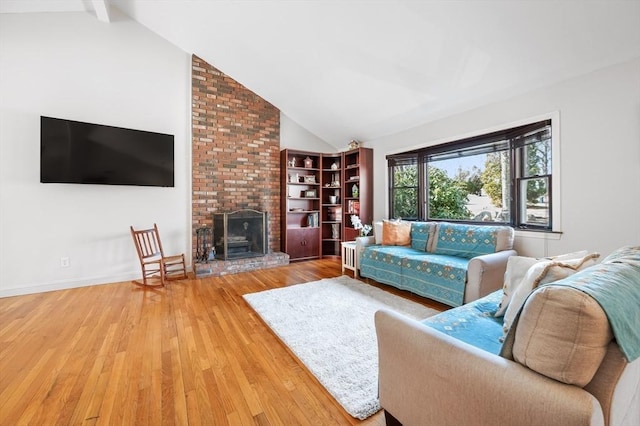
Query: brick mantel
[236, 146]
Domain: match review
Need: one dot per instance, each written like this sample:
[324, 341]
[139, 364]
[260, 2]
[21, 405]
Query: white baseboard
[65, 285]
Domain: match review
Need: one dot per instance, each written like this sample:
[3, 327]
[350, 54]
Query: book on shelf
[353, 206]
[334, 213]
[312, 220]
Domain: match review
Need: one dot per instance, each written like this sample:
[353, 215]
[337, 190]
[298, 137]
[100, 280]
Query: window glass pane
[534, 202]
[448, 198]
[405, 191]
[472, 187]
[405, 203]
[537, 158]
[406, 175]
[496, 185]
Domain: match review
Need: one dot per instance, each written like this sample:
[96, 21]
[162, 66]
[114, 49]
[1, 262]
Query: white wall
[294, 136]
[600, 156]
[70, 65]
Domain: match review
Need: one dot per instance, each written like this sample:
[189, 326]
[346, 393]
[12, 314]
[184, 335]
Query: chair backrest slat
[147, 242]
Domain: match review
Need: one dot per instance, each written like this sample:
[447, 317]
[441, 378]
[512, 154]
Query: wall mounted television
[77, 152]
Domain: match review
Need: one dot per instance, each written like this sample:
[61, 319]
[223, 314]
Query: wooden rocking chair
[155, 265]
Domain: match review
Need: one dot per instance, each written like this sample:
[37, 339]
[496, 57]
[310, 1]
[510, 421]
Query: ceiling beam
[102, 10]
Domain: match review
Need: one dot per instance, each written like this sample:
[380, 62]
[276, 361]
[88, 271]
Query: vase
[335, 231]
[355, 191]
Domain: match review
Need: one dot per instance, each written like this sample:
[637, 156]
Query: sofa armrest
[485, 274]
[361, 243]
[429, 378]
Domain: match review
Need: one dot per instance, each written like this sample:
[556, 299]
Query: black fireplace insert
[238, 234]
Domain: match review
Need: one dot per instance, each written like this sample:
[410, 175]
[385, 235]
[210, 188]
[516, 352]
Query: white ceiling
[361, 69]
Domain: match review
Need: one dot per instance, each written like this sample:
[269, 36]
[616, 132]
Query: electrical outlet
[64, 262]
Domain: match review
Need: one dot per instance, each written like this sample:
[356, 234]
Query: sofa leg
[390, 420]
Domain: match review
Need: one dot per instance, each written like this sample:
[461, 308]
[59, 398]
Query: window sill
[539, 234]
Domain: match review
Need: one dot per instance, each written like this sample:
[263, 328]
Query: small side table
[349, 257]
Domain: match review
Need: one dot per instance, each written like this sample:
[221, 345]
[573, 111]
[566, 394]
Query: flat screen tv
[76, 152]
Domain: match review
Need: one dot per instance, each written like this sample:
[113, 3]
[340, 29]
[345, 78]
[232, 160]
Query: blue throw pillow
[420, 232]
[466, 241]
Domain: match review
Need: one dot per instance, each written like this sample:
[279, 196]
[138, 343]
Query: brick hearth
[224, 267]
[236, 146]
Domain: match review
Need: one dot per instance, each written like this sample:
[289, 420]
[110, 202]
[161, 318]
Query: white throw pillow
[569, 256]
[541, 273]
[377, 232]
[517, 267]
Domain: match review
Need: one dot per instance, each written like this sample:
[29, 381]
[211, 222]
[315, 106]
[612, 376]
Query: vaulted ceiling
[362, 69]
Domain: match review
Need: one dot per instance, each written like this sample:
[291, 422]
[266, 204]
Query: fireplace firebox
[238, 234]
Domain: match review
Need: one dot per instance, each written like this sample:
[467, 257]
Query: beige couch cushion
[504, 239]
[396, 233]
[562, 333]
[546, 271]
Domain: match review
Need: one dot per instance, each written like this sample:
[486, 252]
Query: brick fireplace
[235, 160]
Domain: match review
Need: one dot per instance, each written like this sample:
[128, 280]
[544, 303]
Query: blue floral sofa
[450, 263]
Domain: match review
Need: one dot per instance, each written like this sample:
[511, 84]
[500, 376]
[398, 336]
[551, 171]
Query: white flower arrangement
[358, 225]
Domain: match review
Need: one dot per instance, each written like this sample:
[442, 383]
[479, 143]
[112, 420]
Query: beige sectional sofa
[572, 357]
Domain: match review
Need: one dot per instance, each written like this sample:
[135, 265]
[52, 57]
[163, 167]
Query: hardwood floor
[192, 353]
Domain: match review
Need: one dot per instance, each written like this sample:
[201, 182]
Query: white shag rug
[329, 325]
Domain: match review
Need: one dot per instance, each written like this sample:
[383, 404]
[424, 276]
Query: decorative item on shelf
[334, 213]
[292, 162]
[333, 199]
[334, 166]
[294, 178]
[355, 191]
[310, 193]
[353, 144]
[335, 231]
[308, 163]
[310, 179]
[359, 226]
